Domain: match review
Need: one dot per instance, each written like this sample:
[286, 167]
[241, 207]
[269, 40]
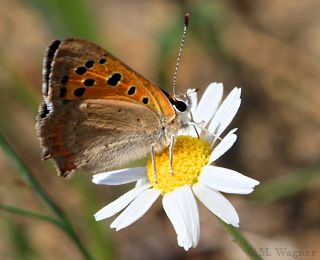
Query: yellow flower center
[190, 154]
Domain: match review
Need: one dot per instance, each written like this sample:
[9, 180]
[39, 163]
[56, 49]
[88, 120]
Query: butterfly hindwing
[98, 135]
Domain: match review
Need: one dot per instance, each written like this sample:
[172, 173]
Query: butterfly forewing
[82, 69]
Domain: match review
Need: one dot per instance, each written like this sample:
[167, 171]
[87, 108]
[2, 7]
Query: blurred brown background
[269, 48]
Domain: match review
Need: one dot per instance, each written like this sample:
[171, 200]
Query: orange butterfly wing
[98, 113]
[92, 72]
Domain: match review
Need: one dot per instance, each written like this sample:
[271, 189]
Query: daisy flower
[195, 176]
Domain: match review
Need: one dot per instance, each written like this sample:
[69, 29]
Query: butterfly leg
[195, 129]
[153, 157]
[171, 153]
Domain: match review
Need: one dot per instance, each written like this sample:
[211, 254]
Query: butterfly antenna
[186, 24]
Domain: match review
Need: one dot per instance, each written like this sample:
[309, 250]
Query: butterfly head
[182, 105]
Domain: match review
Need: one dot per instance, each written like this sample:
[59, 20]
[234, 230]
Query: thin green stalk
[70, 231]
[241, 240]
[28, 213]
[65, 226]
[27, 175]
[286, 186]
[32, 182]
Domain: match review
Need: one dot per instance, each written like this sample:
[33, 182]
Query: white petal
[210, 138]
[216, 203]
[120, 176]
[142, 182]
[120, 203]
[191, 132]
[226, 180]
[175, 214]
[136, 209]
[226, 112]
[193, 95]
[229, 115]
[209, 103]
[181, 208]
[223, 146]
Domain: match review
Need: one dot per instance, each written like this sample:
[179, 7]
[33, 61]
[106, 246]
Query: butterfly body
[98, 113]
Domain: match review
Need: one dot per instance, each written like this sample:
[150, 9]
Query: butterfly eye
[181, 106]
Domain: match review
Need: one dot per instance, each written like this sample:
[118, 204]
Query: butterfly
[98, 114]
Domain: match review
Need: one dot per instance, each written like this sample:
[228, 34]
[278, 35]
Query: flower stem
[241, 240]
[62, 222]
